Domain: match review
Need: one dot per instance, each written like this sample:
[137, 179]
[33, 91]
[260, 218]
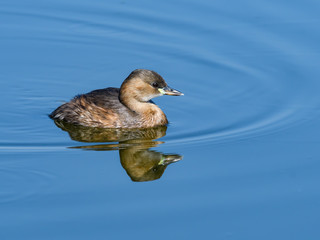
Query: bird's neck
[150, 114]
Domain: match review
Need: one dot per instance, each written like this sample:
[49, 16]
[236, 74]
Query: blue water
[245, 137]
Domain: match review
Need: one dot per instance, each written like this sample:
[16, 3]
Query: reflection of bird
[145, 165]
[127, 107]
[90, 134]
[140, 163]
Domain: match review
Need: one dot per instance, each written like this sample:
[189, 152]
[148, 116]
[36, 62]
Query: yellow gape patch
[161, 91]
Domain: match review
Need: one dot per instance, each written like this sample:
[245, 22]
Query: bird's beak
[170, 91]
[168, 159]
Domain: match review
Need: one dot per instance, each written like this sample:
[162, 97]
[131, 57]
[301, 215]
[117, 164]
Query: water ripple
[235, 86]
[22, 183]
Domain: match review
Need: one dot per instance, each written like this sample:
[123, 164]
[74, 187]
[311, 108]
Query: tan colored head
[143, 85]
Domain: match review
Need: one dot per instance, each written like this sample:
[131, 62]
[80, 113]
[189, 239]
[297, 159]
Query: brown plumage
[127, 107]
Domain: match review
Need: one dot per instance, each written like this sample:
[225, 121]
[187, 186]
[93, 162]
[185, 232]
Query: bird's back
[99, 108]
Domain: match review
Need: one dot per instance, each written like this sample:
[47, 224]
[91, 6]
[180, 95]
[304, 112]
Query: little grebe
[127, 107]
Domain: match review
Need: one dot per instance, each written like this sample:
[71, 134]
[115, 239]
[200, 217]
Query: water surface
[239, 159]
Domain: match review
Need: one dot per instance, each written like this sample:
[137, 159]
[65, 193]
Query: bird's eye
[155, 85]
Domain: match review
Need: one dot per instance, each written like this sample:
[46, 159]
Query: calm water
[243, 142]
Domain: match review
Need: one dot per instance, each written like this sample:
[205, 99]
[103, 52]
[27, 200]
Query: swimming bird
[129, 106]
